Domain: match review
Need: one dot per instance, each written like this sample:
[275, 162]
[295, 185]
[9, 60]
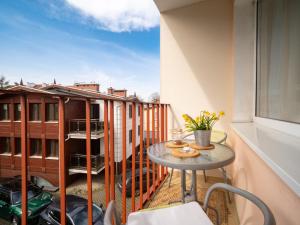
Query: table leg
[194, 185]
[183, 185]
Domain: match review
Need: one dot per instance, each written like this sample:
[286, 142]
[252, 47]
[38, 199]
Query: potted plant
[202, 126]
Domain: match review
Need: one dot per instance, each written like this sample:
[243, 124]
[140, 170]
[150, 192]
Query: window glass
[17, 146]
[4, 111]
[35, 147]
[130, 136]
[51, 111]
[130, 111]
[52, 148]
[17, 111]
[139, 130]
[81, 218]
[278, 54]
[5, 145]
[34, 112]
[32, 192]
[94, 111]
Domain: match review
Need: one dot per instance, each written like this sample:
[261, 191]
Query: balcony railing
[155, 112]
[77, 128]
[78, 164]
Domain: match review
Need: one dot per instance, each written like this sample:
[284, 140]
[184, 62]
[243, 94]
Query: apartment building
[43, 130]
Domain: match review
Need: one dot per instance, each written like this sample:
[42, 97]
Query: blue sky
[81, 41]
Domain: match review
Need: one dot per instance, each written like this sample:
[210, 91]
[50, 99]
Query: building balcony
[77, 129]
[78, 164]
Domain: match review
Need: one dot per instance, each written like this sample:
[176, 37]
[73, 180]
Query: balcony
[77, 129]
[78, 164]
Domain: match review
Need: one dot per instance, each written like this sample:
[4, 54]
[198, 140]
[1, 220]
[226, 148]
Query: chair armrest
[111, 214]
[268, 216]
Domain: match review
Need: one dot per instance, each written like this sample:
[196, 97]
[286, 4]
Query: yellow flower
[186, 118]
[206, 113]
[213, 115]
[221, 113]
[197, 119]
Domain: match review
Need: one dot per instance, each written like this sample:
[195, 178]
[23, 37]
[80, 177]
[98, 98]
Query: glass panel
[278, 54]
[5, 145]
[51, 112]
[17, 146]
[34, 112]
[4, 111]
[52, 148]
[17, 112]
[35, 147]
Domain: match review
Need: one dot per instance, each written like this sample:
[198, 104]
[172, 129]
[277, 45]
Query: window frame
[292, 128]
[8, 112]
[16, 106]
[9, 152]
[30, 112]
[48, 156]
[130, 136]
[40, 145]
[130, 111]
[55, 112]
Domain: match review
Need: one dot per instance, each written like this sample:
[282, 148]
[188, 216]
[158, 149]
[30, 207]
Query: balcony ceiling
[166, 5]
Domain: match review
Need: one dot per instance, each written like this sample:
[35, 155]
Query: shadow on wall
[199, 60]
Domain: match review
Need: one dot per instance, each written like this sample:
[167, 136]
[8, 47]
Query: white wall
[118, 130]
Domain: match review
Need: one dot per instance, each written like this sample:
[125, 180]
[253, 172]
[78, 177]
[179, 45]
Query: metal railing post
[88, 160]
[106, 152]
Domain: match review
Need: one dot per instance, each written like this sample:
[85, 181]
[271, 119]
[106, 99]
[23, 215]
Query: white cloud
[119, 15]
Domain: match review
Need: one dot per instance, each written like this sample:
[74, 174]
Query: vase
[202, 137]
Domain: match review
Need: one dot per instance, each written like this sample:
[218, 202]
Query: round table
[215, 158]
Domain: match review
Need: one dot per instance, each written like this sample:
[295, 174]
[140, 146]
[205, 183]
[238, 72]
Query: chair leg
[226, 182]
[204, 174]
[171, 175]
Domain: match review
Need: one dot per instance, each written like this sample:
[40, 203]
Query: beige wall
[196, 59]
[249, 172]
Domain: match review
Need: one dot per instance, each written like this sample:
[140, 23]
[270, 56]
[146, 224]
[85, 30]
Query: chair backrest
[268, 216]
[111, 216]
[217, 136]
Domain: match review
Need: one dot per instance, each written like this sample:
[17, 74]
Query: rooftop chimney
[120, 92]
[88, 86]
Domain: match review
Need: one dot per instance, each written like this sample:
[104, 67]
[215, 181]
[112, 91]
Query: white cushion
[185, 214]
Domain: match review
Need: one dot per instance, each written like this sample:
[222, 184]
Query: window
[139, 111]
[52, 148]
[130, 111]
[34, 112]
[95, 111]
[4, 111]
[17, 111]
[278, 54]
[35, 147]
[51, 111]
[130, 136]
[139, 129]
[17, 146]
[5, 145]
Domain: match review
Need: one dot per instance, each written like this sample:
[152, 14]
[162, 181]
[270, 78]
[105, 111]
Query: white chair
[187, 214]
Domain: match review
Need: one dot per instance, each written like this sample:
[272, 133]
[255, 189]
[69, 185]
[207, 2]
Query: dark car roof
[73, 202]
[11, 184]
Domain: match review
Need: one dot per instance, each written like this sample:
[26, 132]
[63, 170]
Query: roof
[73, 202]
[11, 184]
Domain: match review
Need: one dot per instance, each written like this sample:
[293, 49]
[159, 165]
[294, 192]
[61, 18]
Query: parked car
[77, 212]
[11, 197]
[137, 181]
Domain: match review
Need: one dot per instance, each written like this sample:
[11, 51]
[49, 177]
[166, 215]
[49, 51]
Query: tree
[3, 82]
[154, 97]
